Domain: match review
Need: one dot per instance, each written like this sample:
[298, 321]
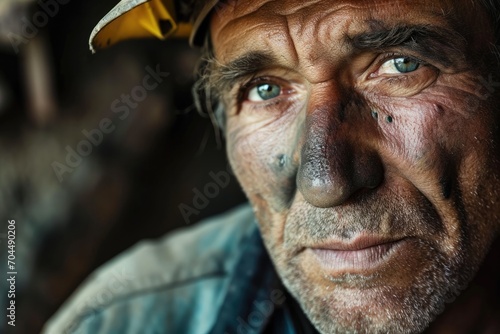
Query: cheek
[264, 161]
[411, 135]
[432, 131]
[442, 145]
[409, 146]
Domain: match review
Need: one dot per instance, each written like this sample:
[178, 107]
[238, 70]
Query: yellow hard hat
[153, 18]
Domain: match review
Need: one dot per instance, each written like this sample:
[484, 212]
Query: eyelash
[395, 55]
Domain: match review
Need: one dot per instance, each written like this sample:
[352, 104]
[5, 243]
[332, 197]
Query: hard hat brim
[132, 19]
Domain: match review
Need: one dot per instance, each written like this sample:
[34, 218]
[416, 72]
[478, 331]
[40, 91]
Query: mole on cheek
[388, 118]
[282, 166]
[284, 183]
[282, 160]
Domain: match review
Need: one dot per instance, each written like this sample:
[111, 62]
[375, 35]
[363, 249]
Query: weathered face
[364, 134]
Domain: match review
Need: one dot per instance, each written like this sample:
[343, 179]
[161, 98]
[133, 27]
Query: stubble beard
[408, 309]
[394, 310]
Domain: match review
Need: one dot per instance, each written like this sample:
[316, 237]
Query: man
[365, 135]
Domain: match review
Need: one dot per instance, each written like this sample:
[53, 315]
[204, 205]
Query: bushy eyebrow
[436, 43]
[246, 65]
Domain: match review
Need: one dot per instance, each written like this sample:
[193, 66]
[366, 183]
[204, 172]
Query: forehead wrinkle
[326, 33]
[242, 8]
[273, 39]
[293, 29]
[287, 31]
[233, 15]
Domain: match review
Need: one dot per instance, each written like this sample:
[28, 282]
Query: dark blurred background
[70, 220]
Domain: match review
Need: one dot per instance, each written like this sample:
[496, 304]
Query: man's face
[365, 138]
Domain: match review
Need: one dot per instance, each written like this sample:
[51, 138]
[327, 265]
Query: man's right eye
[264, 92]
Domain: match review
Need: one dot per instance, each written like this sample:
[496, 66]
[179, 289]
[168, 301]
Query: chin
[403, 291]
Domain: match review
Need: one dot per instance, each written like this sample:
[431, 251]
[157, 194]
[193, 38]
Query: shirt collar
[256, 301]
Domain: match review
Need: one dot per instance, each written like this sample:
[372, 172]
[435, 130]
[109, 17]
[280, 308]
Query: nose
[337, 158]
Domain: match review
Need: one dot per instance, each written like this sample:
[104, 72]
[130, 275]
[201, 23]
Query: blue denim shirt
[215, 277]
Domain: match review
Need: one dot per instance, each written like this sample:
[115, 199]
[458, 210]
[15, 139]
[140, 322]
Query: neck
[477, 309]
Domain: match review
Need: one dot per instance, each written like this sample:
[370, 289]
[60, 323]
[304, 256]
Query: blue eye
[399, 65]
[264, 92]
[406, 65]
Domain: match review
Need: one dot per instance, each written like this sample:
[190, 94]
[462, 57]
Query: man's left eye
[399, 65]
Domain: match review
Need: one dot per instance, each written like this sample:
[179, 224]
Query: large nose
[338, 157]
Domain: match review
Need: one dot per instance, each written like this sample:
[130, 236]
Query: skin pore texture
[367, 144]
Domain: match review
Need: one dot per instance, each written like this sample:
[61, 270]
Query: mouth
[362, 256]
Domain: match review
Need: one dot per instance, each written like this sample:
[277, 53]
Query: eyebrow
[435, 43]
[244, 66]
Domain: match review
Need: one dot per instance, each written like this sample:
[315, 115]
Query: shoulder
[166, 284]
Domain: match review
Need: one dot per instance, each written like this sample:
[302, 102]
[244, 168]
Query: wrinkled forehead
[237, 26]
